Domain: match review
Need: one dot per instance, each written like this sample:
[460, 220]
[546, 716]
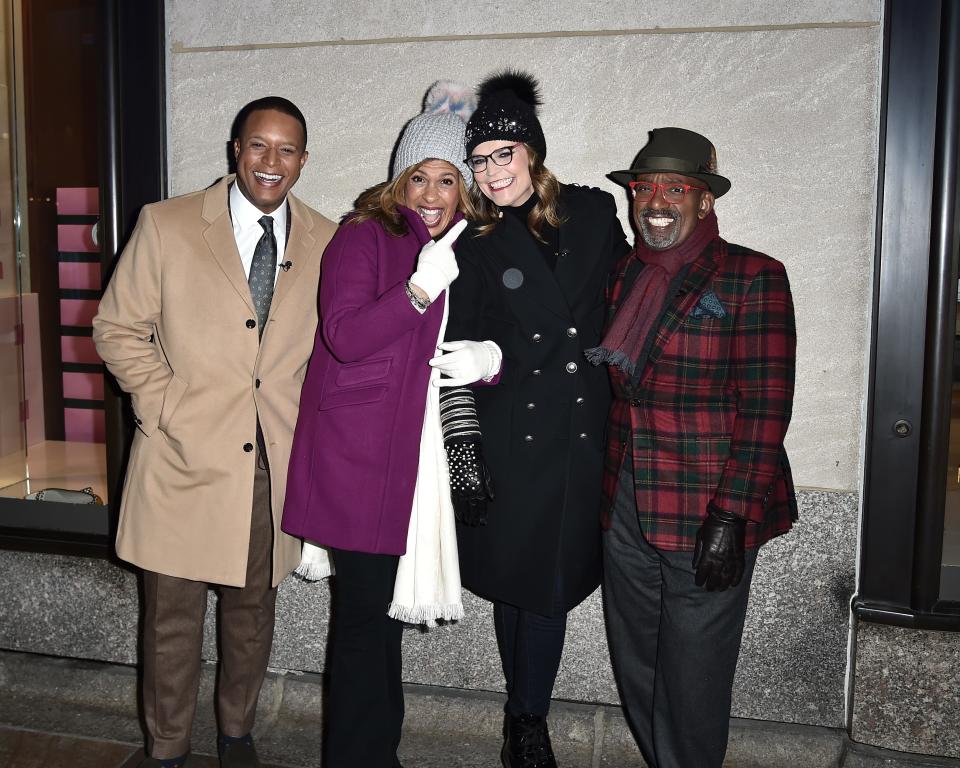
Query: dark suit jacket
[543, 422]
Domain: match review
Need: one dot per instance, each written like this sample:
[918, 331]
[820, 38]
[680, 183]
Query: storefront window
[51, 407]
[950, 564]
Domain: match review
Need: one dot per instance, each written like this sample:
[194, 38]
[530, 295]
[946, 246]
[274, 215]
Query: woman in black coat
[533, 271]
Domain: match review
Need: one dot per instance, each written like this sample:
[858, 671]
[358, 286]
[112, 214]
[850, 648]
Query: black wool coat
[543, 422]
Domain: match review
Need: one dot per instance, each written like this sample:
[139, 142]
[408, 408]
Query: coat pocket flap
[358, 396]
[352, 374]
[172, 395]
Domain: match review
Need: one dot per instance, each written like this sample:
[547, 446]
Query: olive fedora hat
[680, 151]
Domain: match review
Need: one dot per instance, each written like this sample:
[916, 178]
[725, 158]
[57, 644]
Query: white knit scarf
[427, 587]
[428, 576]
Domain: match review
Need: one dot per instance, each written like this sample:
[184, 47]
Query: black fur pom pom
[523, 85]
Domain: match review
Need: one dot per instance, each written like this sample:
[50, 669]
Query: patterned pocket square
[709, 306]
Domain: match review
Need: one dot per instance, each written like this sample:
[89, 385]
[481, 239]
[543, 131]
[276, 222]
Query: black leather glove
[718, 555]
[471, 486]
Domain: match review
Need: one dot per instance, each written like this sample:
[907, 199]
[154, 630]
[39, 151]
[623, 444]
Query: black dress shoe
[527, 743]
[152, 762]
[238, 754]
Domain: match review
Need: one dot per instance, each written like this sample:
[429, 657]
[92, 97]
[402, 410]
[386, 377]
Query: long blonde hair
[545, 185]
[380, 202]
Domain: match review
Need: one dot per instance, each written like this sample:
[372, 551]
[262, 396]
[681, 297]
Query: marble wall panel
[793, 115]
[907, 689]
[791, 668]
[237, 22]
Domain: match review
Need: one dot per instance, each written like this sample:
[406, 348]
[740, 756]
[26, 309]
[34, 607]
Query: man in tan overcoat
[208, 324]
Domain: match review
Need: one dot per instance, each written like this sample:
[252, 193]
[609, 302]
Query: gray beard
[658, 240]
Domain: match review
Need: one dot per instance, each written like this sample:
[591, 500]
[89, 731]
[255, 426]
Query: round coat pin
[513, 278]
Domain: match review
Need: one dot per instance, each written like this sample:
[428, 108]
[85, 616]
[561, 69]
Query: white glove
[436, 265]
[466, 362]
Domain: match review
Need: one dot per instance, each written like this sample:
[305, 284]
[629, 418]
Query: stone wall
[791, 669]
[788, 92]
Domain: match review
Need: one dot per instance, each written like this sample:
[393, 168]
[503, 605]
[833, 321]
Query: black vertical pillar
[134, 153]
[941, 320]
[914, 317]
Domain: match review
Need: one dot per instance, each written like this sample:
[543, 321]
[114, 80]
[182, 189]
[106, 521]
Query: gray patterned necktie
[263, 272]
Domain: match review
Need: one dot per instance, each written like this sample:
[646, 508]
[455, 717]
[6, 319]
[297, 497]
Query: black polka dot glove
[471, 486]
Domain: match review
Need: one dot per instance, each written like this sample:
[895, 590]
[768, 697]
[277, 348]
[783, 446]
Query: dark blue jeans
[530, 649]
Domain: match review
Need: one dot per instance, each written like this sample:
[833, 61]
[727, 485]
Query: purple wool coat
[353, 466]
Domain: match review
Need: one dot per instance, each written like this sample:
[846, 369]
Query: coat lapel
[577, 260]
[520, 261]
[219, 238]
[691, 288]
[299, 251]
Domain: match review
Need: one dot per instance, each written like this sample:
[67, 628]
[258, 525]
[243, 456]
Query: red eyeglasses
[672, 191]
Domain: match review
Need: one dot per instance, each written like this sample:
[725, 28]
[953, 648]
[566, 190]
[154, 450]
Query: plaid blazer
[703, 418]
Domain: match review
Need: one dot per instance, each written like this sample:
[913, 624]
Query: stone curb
[443, 726]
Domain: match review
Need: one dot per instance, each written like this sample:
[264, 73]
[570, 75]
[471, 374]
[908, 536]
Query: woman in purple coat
[367, 454]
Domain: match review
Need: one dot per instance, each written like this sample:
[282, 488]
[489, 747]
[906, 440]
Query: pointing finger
[453, 233]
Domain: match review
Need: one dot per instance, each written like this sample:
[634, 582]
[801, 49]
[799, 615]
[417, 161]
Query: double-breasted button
[537, 372]
[572, 333]
[536, 337]
[531, 406]
[251, 323]
[528, 438]
[248, 447]
[571, 367]
[580, 401]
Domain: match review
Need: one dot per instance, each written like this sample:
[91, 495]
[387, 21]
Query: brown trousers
[174, 611]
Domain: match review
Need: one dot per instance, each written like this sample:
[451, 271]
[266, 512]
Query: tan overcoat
[174, 327]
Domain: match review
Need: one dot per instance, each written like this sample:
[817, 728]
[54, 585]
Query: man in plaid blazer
[701, 348]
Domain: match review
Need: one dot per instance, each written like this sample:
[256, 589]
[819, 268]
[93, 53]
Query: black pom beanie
[507, 111]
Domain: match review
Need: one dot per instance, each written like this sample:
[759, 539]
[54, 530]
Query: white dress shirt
[247, 230]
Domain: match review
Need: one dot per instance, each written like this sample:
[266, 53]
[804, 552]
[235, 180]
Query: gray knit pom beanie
[438, 132]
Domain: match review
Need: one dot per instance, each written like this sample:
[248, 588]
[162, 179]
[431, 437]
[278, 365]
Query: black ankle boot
[527, 743]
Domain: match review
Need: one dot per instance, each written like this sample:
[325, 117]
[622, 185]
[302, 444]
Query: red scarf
[625, 339]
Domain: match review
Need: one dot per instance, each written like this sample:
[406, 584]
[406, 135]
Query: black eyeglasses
[502, 156]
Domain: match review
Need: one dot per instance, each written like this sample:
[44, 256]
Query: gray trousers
[674, 645]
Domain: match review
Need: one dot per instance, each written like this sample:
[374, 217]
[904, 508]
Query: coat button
[572, 333]
[635, 402]
[138, 420]
[248, 447]
[528, 438]
[251, 323]
[536, 372]
[536, 337]
[257, 384]
[583, 435]
[580, 401]
[531, 406]
[571, 367]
